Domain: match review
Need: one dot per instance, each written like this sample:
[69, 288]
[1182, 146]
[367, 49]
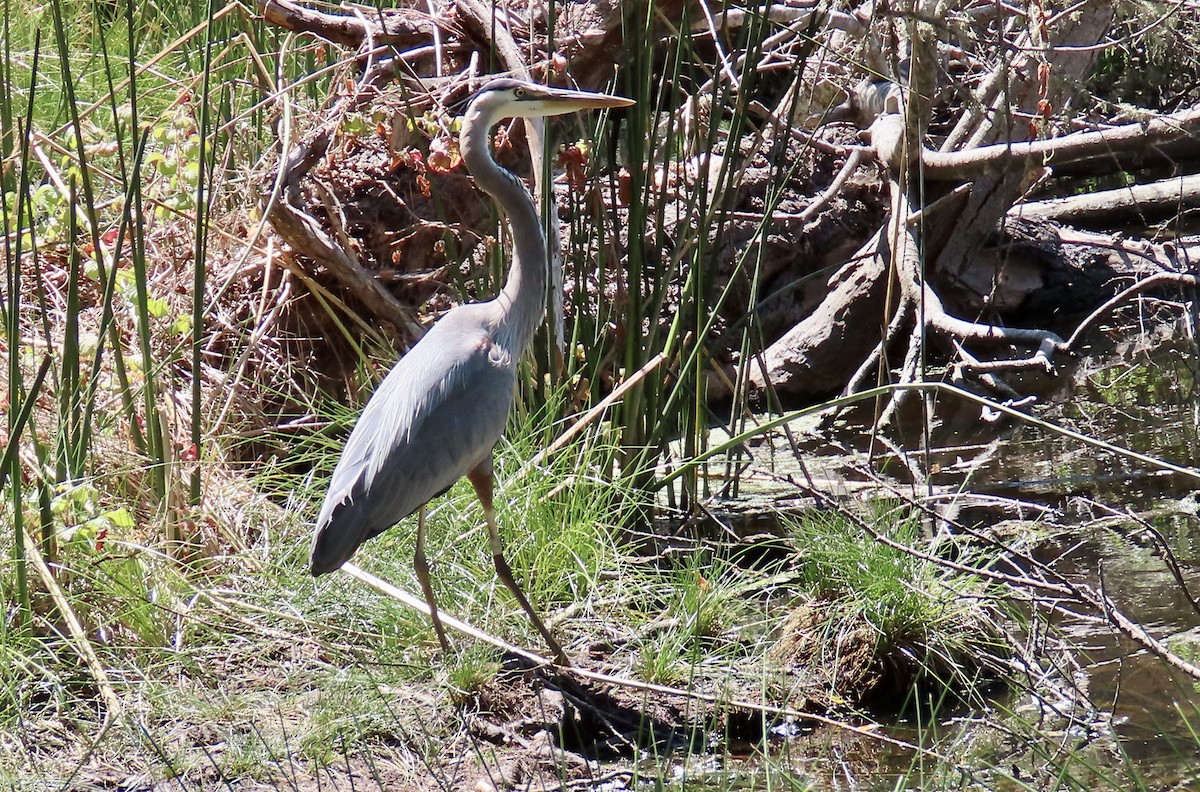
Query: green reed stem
[201, 254]
[89, 204]
[150, 412]
[16, 420]
[633, 416]
[108, 275]
[8, 132]
[10, 464]
[68, 88]
[71, 453]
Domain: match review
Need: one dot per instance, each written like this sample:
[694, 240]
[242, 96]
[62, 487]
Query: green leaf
[157, 308]
[182, 326]
[118, 518]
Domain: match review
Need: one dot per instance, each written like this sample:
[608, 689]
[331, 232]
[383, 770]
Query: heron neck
[522, 301]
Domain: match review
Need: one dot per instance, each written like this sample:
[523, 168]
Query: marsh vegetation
[843, 461]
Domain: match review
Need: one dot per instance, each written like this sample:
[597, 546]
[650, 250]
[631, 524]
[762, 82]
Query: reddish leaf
[574, 159]
[444, 155]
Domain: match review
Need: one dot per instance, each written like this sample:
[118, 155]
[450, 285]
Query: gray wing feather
[436, 415]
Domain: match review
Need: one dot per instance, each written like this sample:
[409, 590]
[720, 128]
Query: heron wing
[436, 415]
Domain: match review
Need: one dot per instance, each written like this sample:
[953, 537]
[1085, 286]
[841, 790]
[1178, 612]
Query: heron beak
[560, 100]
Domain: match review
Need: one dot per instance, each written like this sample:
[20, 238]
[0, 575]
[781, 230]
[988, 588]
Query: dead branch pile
[882, 183]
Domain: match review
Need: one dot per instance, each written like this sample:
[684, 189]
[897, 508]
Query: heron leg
[421, 566]
[481, 479]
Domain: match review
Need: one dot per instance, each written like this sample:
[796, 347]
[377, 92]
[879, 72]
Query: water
[1119, 522]
[1121, 717]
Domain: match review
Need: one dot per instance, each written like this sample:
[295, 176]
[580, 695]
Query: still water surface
[1110, 715]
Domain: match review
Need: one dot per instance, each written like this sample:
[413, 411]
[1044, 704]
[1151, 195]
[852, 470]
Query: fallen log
[1135, 203]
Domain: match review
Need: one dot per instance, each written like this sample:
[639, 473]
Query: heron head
[510, 98]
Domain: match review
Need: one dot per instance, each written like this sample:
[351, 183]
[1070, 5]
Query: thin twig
[594, 413]
[1146, 283]
[112, 703]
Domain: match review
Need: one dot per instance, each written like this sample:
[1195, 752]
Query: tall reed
[20, 401]
[680, 152]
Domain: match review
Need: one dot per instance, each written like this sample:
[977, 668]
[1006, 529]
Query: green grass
[893, 592]
[886, 617]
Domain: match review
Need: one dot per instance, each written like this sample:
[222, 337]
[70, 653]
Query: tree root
[919, 299]
[1122, 205]
[900, 320]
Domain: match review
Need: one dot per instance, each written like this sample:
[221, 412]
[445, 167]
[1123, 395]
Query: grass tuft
[880, 621]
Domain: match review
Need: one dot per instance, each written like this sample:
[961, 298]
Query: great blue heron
[441, 409]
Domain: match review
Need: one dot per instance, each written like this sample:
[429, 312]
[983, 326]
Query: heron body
[441, 409]
[434, 418]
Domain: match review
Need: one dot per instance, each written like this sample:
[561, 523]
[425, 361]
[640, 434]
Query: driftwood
[949, 231]
[889, 137]
[403, 28]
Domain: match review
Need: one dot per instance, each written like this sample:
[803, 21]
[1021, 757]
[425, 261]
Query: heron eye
[519, 93]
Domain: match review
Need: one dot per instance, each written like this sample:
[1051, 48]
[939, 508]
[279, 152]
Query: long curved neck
[522, 301]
